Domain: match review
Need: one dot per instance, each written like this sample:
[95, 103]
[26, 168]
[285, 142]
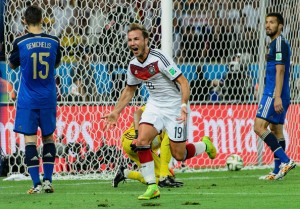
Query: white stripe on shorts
[267, 107]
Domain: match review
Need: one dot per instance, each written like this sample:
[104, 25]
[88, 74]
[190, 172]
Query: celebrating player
[166, 106]
[276, 97]
[164, 176]
[37, 54]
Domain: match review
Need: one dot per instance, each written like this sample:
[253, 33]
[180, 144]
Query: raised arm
[125, 98]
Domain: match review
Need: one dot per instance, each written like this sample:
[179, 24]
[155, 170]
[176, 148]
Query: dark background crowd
[219, 32]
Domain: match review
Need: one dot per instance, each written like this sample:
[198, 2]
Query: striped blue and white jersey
[158, 72]
[279, 54]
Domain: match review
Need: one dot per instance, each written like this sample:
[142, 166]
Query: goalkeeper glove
[133, 145]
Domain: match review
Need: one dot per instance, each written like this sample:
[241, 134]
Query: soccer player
[164, 177]
[37, 54]
[166, 108]
[276, 97]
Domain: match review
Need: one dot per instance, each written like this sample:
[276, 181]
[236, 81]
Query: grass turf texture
[218, 190]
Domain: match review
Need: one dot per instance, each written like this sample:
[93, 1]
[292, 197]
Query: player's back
[38, 54]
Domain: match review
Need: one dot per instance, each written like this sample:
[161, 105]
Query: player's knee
[47, 138]
[273, 129]
[258, 129]
[178, 157]
[178, 150]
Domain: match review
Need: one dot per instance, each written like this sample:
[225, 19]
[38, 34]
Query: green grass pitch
[204, 190]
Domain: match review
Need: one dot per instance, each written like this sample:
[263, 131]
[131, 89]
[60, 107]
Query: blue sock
[32, 162]
[49, 152]
[277, 161]
[271, 140]
[282, 156]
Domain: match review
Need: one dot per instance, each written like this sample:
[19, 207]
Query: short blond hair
[136, 26]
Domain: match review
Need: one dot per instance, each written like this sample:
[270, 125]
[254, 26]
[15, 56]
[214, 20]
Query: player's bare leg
[277, 130]
[287, 164]
[182, 150]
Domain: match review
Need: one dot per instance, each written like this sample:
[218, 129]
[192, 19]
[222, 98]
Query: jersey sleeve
[169, 68]
[14, 58]
[282, 51]
[131, 79]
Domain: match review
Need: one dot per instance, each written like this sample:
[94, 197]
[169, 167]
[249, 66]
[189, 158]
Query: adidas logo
[34, 158]
[48, 155]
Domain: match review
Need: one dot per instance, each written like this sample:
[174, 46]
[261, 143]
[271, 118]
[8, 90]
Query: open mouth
[134, 50]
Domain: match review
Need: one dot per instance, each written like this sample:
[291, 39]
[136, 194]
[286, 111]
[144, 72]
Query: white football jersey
[158, 72]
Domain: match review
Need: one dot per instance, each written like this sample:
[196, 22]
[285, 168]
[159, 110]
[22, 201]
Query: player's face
[138, 44]
[273, 28]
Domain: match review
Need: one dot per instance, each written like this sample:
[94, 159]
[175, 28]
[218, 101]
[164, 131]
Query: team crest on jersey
[146, 72]
[151, 70]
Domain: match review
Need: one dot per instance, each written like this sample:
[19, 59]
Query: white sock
[147, 170]
[200, 148]
[126, 172]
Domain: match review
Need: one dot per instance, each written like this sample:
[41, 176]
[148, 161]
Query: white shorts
[165, 118]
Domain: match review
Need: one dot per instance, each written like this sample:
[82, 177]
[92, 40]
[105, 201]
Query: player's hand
[184, 115]
[136, 134]
[133, 145]
[278, 105]
[111, 120]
